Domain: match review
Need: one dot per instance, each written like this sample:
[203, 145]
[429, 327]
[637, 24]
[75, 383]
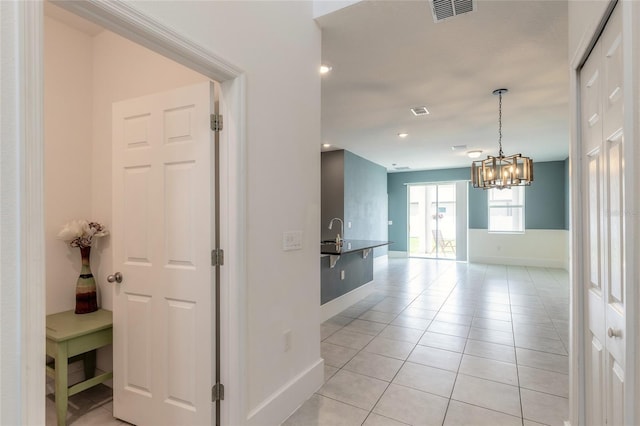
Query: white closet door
[162, 240]
[603, 227]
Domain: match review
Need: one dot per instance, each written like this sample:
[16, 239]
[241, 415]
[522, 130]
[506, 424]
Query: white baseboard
[519, 261]
[398, 254]
[341, 303]
[282, 403]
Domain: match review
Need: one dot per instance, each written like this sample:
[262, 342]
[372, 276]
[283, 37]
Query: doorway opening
[189, 65]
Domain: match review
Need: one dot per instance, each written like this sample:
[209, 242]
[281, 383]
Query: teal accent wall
[478, 208]
[355, 190]
[365, 200]
[546, 200]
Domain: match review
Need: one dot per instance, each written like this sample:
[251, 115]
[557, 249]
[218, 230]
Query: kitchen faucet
[339, 239]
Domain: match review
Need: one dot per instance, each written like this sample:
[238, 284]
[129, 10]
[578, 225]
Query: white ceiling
[388, 56]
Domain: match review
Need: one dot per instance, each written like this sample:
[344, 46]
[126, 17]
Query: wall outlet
[342, 274]
[292, 240]
[349, 224]
[390, 222]
[287, 340]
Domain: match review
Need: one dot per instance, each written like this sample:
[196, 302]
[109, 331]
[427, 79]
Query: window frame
[505, 204]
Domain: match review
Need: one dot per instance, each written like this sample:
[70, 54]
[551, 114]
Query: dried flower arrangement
[80, 233]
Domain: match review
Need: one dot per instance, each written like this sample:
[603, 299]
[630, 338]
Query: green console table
[71, 337]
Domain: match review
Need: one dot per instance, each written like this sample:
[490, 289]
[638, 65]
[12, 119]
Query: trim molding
[519, 261]
[631, 82]
[234, 307]
[341, 303]
[287, 399]
[32, 223]
[22, 343]
[131, 23]
[577, 412]
[398, 254]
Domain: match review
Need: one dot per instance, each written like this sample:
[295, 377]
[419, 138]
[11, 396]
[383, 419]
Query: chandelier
[502, 171]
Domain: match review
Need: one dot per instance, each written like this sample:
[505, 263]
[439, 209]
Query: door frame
[631, 82]
[21, 176]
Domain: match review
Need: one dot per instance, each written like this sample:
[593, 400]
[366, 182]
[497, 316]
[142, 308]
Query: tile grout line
[515, 353]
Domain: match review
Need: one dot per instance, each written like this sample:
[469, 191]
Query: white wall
[68, 153]
[535, 247]
[277, 44]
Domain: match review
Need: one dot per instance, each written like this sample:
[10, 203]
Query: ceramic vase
[86, 295]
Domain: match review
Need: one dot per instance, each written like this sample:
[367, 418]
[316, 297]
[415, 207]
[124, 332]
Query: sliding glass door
[432, 220]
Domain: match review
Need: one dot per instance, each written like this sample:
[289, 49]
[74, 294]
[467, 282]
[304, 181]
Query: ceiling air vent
[421, 110]
[443, 9]
[402, 168]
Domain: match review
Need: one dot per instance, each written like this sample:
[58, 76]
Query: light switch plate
[292, 240]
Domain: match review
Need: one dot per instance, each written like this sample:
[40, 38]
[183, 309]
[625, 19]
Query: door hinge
[217, 392]
[216, 122]
[217, 257]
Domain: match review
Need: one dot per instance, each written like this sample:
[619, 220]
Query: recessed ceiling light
[474, 154]
[458, 147]
[403, 135]
[325, 69]
[326, 145]
[420, 110]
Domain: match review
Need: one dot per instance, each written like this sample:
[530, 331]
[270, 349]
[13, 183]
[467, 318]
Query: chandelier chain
[500, 154]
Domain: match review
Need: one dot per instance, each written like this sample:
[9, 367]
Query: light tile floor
[91, 407]
[445, 343]
[437, 343]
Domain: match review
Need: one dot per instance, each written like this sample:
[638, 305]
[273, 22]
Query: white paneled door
[162, 235]
[603, 188]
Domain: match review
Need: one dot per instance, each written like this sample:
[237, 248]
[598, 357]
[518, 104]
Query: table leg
[89, 364]
[61, 378]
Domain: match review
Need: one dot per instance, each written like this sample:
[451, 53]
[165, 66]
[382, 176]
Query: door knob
[614, 333]
[115, 278]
